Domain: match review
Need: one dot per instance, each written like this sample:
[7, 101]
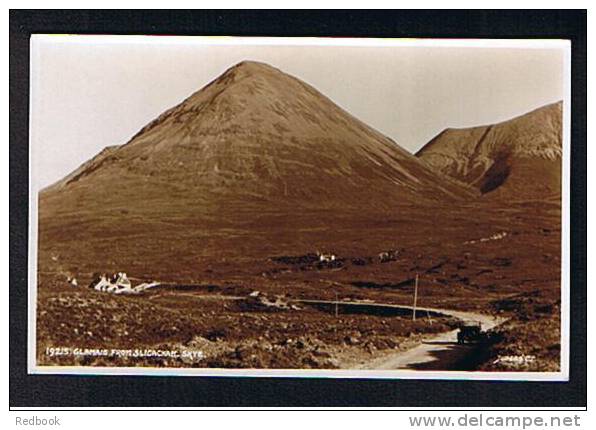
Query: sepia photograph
[337, 207]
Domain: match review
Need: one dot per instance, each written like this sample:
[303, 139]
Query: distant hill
[519, 158]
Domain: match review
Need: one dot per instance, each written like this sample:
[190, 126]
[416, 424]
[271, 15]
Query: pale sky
[89, 92]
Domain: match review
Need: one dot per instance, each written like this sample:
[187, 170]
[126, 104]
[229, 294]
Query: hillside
[519, 158]
[254, 151]
[256, 131]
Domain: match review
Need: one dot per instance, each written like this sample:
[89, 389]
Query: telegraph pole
[415, 298]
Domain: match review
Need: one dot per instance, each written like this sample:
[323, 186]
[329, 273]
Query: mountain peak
[257, 132]
[504, 157]
[249, 69]
[252, 65]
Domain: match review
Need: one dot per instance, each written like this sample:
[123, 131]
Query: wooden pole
[415, 298]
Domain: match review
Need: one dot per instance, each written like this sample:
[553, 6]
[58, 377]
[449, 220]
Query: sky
[89, 92]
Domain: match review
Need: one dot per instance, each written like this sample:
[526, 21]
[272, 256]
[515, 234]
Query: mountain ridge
[500, 158]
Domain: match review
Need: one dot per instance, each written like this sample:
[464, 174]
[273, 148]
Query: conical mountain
[253, 149]
[519, 158]
[258, 132]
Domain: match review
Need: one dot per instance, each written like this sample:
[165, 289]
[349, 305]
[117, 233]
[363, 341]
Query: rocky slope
[519, 158]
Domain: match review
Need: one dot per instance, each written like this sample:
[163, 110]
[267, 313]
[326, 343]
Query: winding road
[436, 352]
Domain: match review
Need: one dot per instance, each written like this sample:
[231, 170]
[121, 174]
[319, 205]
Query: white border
[562, 375]
[33, 223]
[565, 218]
[303, 373]
[305, 41]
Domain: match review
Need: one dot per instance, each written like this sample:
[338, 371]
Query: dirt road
[436, 352]
[439, 352]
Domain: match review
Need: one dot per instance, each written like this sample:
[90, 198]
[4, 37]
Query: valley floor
[238, 308]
